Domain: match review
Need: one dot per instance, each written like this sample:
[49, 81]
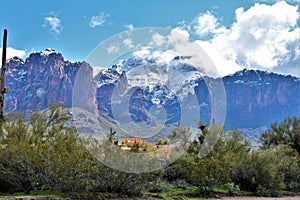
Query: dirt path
[66, 198]
[261, 198]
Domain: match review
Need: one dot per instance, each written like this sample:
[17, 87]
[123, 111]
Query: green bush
[43, 154]
[232, 189]
[180, 183]
[158, 186]
[263, 191]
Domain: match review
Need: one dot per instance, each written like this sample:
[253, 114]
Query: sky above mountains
[236, 34]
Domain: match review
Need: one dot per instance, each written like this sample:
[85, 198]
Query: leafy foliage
[286, 132]
[45, 154]
[42, 154]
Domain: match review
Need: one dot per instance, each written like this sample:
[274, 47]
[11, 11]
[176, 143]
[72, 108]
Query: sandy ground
[223, 198]
[261, 198]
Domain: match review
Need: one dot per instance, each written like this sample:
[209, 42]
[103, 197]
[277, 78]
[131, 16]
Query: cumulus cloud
[274, 1]
[128, 43]
[54, 23]
[157, 39]
[178, 35]
[263, 37]
[11, 52]
[113, 49]
[179, 43]
[206, 24]
[144, 52]
[161, 57]
[98, 20]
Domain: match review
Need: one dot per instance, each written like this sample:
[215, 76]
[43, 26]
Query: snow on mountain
[150, 70]
[48, 51]
[248, 91]
[253, 98]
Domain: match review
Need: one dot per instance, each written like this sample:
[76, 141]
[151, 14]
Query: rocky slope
[254, 98]
[43, 78]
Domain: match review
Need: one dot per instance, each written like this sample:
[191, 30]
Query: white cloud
[54, 23]
[161, 57]
[260, 35]
[11, 52]
[113, 49]
[129, 27]
[98, 20]
[263, 37]
[178, 35]
[128, 43]
[274, 1]
[223, 66]
[144, 52]
[206, 24]
[157, 40]
[178, 43]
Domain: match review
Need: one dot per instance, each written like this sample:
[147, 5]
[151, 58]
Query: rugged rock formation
[254, 98]
[257, 98]
[43, 78]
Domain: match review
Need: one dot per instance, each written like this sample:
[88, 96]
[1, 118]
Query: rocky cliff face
[254, 98]
[43, 78]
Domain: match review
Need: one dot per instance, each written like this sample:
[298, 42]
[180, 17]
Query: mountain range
[254, 98]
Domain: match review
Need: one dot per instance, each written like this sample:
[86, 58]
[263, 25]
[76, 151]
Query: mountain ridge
[254, 98]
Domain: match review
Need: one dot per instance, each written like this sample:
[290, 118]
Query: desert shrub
[158, 186]
[180, 183]
[264, 191]
[286, 132]
[232, 189]
[43, 154]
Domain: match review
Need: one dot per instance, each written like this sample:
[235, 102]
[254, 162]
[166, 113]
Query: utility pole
[3, 89]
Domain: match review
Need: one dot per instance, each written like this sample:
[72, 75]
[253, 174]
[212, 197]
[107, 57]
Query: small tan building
[132, 141]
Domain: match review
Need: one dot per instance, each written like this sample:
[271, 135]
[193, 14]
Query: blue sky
[74, 28]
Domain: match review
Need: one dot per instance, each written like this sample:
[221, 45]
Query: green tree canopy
[286, 132]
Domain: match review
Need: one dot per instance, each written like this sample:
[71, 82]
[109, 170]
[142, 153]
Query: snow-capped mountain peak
[48, 51]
